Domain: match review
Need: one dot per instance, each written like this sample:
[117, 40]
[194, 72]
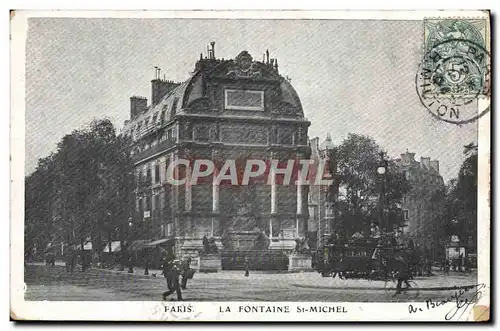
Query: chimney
[137, 104]
[407, 158]
[425, 162]
[213, 49]
[314, 144]
[160, 88]
[435, 165]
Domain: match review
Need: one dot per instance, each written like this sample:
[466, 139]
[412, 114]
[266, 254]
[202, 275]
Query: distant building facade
[228, 109]
[423, 205]
[322, 198]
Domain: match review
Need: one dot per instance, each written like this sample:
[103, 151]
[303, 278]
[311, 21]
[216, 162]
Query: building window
[174, 106]
[155, 117]
[169, 229]
[148, 175]
[174, 135]
[141, 207]
[244, 100]
[157, 202]
[405, 199]
[157, 173]
[406, 214]
[285, 136]
[201, 133]
[407, 175]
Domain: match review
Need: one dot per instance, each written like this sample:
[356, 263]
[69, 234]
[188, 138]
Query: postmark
[455, 72]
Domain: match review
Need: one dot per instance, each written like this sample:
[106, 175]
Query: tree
[83, 191]
[358, 160]
[461, 200]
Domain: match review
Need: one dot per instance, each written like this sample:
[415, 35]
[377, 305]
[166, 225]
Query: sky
[351, 76]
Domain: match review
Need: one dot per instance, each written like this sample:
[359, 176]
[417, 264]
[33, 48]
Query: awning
[158, 242]
[115, 247]
[137, 245]
[357, 235]
[51, 247]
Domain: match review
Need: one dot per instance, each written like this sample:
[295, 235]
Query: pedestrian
[429, 267]
[400, 266]
[171, 271]
[187, 272]
[247, 267]
[447, 267]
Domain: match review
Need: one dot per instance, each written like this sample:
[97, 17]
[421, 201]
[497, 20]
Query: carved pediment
[286, 108]
[244, 67]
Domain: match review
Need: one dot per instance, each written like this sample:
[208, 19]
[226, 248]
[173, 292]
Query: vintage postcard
[250, 165]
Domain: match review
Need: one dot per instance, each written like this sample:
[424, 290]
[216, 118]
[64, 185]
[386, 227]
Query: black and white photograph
[233, 166]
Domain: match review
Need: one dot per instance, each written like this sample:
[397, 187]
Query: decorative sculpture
[209, 246]
[302, 246]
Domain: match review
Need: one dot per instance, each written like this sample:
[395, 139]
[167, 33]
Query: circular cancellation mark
[452, 77]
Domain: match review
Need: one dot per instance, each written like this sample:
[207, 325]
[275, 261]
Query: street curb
[449, 288]
[135, 274]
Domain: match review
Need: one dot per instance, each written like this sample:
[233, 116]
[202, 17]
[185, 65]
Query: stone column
[274, 196]
[215, 186]
[188, 193]
[300, 195]
[274, 188]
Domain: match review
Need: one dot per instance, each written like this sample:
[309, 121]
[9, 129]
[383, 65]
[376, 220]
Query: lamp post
[129, 255]
[382, 172]
[332, 190]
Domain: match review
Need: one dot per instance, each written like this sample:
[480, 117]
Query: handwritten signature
[461, 303]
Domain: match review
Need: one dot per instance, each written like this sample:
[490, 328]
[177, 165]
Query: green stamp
[455, 71]
[439, 31]
[456, 61]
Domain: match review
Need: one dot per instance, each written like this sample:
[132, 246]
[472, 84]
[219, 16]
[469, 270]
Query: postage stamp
[250, 166]
[456, 69]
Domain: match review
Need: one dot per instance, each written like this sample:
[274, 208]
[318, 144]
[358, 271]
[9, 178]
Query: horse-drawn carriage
[366, 259]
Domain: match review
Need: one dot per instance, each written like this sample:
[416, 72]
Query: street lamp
[382, 170]
[129, 253]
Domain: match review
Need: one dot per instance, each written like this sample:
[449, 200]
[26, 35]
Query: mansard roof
[183, 96]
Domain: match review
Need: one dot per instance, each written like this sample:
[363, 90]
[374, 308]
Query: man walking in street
[247, 267]
[447, 267]
[400, 266]
[187, 272]
[171, 271]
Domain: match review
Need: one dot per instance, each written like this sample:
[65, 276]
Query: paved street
[54, 283]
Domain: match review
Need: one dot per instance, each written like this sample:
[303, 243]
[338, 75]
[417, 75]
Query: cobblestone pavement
[54, 283]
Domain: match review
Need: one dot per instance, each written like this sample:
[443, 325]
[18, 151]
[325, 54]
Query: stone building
[235, 109]
[423, 205]
[323, 198]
